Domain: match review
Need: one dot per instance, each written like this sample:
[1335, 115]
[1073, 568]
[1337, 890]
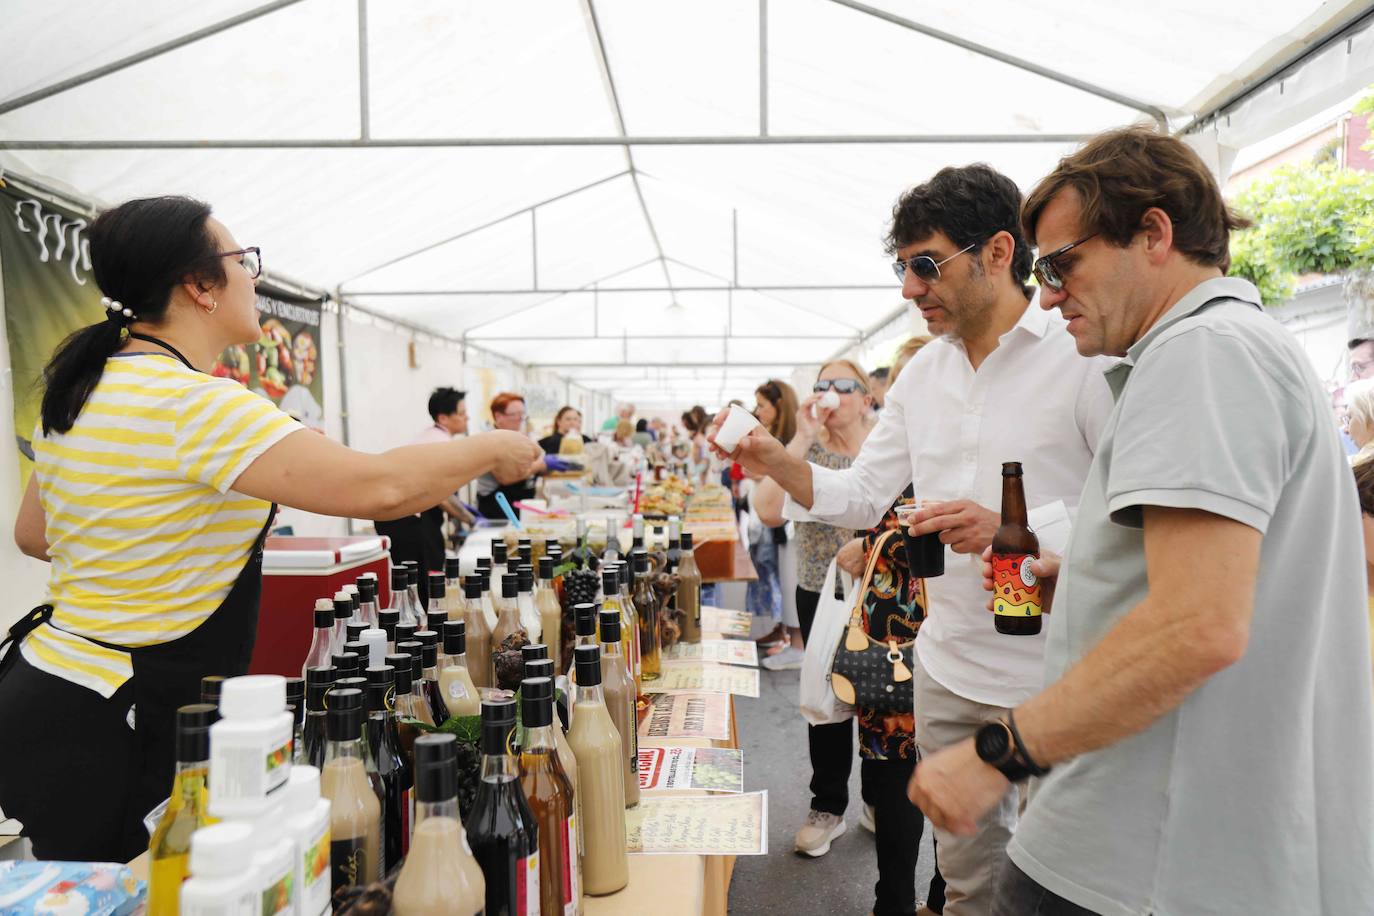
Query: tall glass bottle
[343, 613]
[440, 876]
[169, 848]
[584, 623]
[499, 563]
[600, 780]
[507, 612]
[689, 591]
[406, 703]
[367, 590]
[455, 680]
[295, 704]
[543, 667]
[413, 589]
[351, 590]
[549, 792]
[321, 641]
[387, 621]
[524, 600]
[504, 836]
[550, 611]
[582, 556]
[400, 596]
[318, 681]
[429, 667]
[611, 551]
[383, 747]
[636, 533]
[618, 689]
[478, 633]
[524, 549]
[437, 612]
[491, 588]
[1016, 591]
[646, 607]
[355, 830]
[453, 587]
[613, 601]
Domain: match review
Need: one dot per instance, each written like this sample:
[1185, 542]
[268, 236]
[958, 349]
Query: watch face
[992, 743]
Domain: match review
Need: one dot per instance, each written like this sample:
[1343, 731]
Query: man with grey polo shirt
[1206, 741]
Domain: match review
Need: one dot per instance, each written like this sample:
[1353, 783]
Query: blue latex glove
[554, 463]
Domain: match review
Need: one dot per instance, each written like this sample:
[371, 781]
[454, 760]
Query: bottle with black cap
[347, 663]
[453, 587]
[524, 602]
[501, 827]
[317, 683]
[400, 595]
[600, 780]
[359, 683]
[343, 613]
[367, 591]
[440, 876]
[363, 651]
[405, 632]
[689, 591]
[354, 631]
[618, 690]
[646, 608]
[429, 675]
[584, 629]
[455, 681]
[417, 601]
[491, 588]
[322, 640]
[295, 704]
[408, 703]
[211, 686]
[498, 562]
[549, 792]
[355, 829]
[351, 589]
[478, 633]
[169, 847]
[383, 748]
[614, 600]
[550, 610]
[436, 610]
[387, 622]
[543, 667]
[524, 548]
[508, 612]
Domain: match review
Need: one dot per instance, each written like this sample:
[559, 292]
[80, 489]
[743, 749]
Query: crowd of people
[1197, 717]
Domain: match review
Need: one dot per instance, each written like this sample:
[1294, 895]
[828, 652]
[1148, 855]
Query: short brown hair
[1122, 173]
[504, 400]
[1364, 484]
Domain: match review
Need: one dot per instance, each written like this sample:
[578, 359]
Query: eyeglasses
[1048, 272]
[840, 385]
[926, 268]
[250, 258]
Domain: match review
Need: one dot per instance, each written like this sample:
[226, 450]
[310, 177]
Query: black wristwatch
[996, 748]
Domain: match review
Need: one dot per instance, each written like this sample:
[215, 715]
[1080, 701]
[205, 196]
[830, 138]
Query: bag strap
[856, 615]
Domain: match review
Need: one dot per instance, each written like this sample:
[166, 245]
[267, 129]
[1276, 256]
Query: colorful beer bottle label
[1015, 588]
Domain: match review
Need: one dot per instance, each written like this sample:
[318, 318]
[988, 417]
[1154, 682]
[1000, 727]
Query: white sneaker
[813, 839]
[788, 659]
[866, 819]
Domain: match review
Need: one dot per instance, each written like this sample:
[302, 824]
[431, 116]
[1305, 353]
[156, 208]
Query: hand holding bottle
[1046, 569]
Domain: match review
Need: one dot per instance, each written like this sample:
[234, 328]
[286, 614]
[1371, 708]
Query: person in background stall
[695, 421]
[624, 434]
[775, 406]
[829, 438]
[420, 537]
[567, 422]
[894, 609]
[878, 383]
[153, 486]
[624, 412]
[641, 436]
[508, 413]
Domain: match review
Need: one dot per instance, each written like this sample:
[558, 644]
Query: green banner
[50, 292]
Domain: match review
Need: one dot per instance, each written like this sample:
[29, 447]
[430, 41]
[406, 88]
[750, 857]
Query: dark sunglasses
[1047, 272]
[840, 385]
[250, 258]
[926, 268]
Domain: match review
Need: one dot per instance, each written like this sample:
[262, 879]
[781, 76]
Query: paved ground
[773, 735]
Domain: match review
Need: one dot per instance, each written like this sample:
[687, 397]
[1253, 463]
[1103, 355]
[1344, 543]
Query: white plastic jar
[307, 821]
[274, 860]
[250, 747]
[223, 880]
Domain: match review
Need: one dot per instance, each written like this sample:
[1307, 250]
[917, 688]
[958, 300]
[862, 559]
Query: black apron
[165, 676]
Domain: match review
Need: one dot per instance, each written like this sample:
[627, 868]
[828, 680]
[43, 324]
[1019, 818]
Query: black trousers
[831, 746]
[897, 828]
[1018, 894]
[419, 538]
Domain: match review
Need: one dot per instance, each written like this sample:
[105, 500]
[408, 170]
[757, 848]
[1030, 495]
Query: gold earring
[213, 305]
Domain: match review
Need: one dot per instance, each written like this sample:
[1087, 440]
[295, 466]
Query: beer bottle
[1015, 589]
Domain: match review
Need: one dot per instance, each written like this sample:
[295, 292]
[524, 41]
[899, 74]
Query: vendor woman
[153, 489]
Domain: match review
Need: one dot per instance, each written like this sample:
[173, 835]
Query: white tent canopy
[664, 201]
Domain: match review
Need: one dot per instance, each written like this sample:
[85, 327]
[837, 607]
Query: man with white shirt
[1206, 741]
[1002, 383]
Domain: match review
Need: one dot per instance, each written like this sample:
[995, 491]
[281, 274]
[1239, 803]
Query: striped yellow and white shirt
[145, 533]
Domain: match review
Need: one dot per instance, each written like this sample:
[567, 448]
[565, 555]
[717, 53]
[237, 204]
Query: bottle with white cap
[250, 747]
[307, 823]
[223, 880]
[274, 860]
[375, 640]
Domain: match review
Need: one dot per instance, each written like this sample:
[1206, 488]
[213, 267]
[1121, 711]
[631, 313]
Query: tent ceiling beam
[763, 68]
[730, 297]
[555, 294]
[487, 225]
[124, 63]
[470, 142]
[604, 65]
[877, 327]
[889, 287]
[364, 79]
[1153, 111]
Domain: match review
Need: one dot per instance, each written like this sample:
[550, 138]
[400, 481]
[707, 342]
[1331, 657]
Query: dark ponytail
[140, 251]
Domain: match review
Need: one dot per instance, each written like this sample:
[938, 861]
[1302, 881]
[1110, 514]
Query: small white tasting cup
[737, 423]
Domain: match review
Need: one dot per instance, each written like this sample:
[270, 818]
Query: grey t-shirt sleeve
[1202, 425]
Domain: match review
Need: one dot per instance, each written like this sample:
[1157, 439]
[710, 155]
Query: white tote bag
[819, 705]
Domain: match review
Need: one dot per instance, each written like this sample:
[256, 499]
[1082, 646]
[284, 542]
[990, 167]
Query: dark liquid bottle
[549, 792]
[429, 667]
[383, 745]
[313, 730]
[501, 828]
[1015, 589]
[582, 556]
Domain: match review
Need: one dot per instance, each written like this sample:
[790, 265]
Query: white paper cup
[737, 424]
[829, 401]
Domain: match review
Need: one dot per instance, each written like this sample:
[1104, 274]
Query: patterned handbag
[866, 673]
